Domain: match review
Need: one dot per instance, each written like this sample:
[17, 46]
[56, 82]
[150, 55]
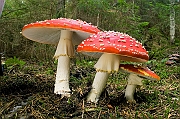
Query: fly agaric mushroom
[137, 74]
[64, 33]
[111, 47]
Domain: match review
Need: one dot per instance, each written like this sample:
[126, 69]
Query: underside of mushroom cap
[108, 63]
[141, 71]
[117, 43]
[49, 31]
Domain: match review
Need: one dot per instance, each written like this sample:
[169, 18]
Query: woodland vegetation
[26, 89]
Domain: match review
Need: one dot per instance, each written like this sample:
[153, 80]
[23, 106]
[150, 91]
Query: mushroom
[137, 74]
[65, 33]
[170, 62]
[174, 55]
[111, 47]
[174, 58]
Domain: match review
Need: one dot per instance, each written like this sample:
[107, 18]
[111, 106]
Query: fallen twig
[6, 106]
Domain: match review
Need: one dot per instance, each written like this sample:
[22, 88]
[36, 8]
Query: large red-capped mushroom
[137, 74]
[65, 33]
[111, 47]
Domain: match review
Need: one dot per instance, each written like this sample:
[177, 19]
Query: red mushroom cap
[141, 71]
[116, 43]
[49, 31]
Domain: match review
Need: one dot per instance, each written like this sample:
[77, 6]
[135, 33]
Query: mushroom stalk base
[133, 82]
[129, 94]
[98, 86]
[62, 76]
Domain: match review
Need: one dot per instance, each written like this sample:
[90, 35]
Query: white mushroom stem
[98, 86]
[63, 53]
[106, 64]
[62, 77]
[133, 81]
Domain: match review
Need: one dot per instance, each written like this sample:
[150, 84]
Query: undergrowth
[26, 91]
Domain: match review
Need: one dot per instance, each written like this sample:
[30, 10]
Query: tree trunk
[97, 24]
[172, 21]
[1, 6]
[1, 72]
[61, 8]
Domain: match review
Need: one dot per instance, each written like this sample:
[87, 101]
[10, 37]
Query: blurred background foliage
[145, 20]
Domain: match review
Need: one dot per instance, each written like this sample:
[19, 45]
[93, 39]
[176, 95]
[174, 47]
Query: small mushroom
[111, 47]
[65, 33]
[170, 62]
[174, 58]
[137, 74]
[174, 55]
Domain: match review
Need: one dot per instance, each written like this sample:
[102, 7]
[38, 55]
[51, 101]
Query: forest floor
[26, 92]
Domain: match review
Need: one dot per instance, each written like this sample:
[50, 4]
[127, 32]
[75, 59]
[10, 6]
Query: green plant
[50, 71]
[11, 62]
